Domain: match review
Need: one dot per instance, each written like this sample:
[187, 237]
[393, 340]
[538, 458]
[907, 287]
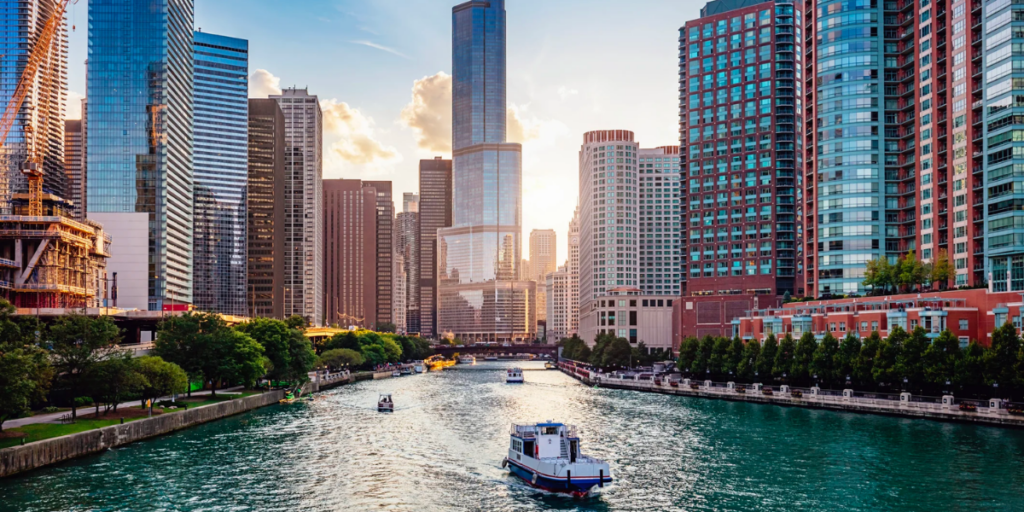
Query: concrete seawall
[17, 459]
[888, 408]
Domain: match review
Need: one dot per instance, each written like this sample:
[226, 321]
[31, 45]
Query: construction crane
[42, 52]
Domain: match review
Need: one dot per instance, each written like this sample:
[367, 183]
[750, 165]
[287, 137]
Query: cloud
[356, 142]
[529, 129]
[381, 48]
[263, 83]
[564, 92]
[429, 113]
[74, 105]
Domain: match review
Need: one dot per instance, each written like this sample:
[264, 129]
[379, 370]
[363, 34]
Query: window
[963, 324]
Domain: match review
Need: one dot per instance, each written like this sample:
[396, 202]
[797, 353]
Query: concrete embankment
[908, 409]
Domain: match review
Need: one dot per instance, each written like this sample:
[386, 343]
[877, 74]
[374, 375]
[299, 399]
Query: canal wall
[17, 459]
[907, 409]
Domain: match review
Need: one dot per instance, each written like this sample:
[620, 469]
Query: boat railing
[524, 430]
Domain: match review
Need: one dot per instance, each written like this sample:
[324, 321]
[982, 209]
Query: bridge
[486, 350]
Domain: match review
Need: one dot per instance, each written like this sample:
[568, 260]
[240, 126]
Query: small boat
[384, 403]
[396, 373]
[418, 367]
[290, 397]
[514, 376]
[550, 366]
[467, 359]
[547, 456]
[405, 370]
[491, 358]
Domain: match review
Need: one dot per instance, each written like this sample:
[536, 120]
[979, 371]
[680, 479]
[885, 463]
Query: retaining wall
[17, 459]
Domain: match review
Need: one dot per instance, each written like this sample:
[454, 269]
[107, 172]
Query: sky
[381, 69]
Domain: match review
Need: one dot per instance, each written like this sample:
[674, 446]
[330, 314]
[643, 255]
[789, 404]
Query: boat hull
[574, 486]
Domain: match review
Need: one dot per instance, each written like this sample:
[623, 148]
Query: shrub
[83, 401]
[50, 409]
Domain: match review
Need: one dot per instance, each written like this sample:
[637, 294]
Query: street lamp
[995, 389]
[904, 383]
[847, 380]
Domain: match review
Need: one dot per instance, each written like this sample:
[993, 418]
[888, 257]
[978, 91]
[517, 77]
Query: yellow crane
[42, 52]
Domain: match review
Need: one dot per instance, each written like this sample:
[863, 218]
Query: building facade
[572, 266]
[139, 144]
[74, 165]
[43, 107]
[385, 250]
[435, 213]
[399, 301]
[660, 257]
[556, 284]
[303, 199]
[220, 131]
[543, 261]
[627, 313]
[407, 246]
[265, 209]
[480, 294]
[350, 253]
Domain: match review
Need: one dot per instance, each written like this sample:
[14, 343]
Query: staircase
[565, 449]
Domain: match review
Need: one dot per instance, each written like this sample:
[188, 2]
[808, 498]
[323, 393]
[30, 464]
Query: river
[442, 449]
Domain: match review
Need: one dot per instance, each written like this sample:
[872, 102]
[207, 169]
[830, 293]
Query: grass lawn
[201, 400]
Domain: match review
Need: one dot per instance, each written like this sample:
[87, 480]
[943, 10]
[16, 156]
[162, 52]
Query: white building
[399, 298]
[559, 306]
[304, 245]
[660, 231]
[572, 266]
[626, 313]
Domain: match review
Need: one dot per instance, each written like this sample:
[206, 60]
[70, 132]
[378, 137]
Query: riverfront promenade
[991, 412]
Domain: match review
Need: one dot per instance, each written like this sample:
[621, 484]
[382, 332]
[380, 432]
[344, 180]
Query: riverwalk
[947, 408]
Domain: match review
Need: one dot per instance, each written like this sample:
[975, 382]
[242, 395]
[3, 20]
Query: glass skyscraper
[221, 153]
[140, 141]
[481, 296]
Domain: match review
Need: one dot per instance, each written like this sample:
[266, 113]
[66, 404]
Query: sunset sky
[381, 69]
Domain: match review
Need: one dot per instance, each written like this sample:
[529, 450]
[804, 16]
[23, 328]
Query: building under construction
[51, 260]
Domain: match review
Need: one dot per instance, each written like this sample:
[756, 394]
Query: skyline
[606, 84]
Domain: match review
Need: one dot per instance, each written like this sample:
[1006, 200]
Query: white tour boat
[490, 358]
[384, 403]
[417, 366]
[547, 456]
[467, 359]
[514, 376]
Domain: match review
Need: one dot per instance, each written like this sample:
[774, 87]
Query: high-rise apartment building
[220, 132]
[265, 208]
[435, 213]
[407, 246]
[303, 199]
[74, 165]
[660, 232]
[399, 301]
[556, 286]
[572, 266]
[481, 296]
[43, 107]
[385, 249]
[350, 253]
[543, 261]
[139, 156]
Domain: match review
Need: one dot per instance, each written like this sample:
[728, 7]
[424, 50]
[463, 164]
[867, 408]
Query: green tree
[941, 270]
[386, 327]
[803, 356]
[347, 339]
[865, 366]
[160, 378]
[701, 366]
[880, 274]
[784, 358]
[766, 359]
[616, 354]
[847, 358]
[718, 362]
[886, 370]
[601, 343]
[687, 353]
[188, 341]
[825, 361]
[296, 322]
[25, 376]
[1001, 358]
[940, 360]
[910, 362]
[290, 353]
[115, 379]
[236, 358]
[574, 349]
[340, 357]
[77, 343]
[734, 356]
[970, 369]
[748, 361]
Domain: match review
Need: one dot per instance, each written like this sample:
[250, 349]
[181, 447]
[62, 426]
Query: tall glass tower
[481, 296]
[140, 144]
[221, 158]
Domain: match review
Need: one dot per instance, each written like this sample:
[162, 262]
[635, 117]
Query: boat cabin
[546, 441]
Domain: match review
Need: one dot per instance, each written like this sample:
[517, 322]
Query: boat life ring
[534, 481]
[504, 463]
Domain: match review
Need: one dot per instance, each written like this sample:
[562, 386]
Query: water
[442, 450]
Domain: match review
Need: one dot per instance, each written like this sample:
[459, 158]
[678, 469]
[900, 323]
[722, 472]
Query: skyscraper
[221, 173]
[303, 193]
[660, 251]
[385, 250]
[44, 103]
[556, 287]
[543, 261]
[265, 209]
[74, 149]
[435, 213]
[572, 267]
[140, 178]
[350, 253]
[407, 233]
[481, 296]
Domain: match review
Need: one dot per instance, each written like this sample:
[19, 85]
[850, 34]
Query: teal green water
[442, 451]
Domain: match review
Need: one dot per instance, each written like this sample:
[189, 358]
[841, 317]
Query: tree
[188, 341]
[160, 378]
[347, 339]
[386, 327]
[296, 322]
[77, 343]
[848, 358]
[748, 362]
[879, 274]
[290, 353]
[236, 357]
[784, 357]
[864, 369]
[910, 362]
[885, 370]
[616, 354]
[574, 349]
[687, 353]
[825, 361]
[970, 369]
[766, 359]
[114, 380]
[719, 357]
[942, 271]
[734, 356]
[940, 359]
[910, 271]
[700, 365]
[601, 343]
[1001, 358]
[340, 357]
[803, 355]
[25, 376]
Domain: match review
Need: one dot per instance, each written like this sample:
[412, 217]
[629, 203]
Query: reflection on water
[442, 450]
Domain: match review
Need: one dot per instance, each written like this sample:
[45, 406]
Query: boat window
[549, 430]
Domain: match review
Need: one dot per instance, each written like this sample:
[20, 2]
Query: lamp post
[995, 389]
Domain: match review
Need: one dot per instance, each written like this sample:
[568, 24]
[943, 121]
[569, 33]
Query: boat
[550, 366]
[514, 376]
[467, 359]
[384, 403]
[396, 373]
[418, 367]
[405, 370]
[491, 358]
[547, 456]
[438, 363]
